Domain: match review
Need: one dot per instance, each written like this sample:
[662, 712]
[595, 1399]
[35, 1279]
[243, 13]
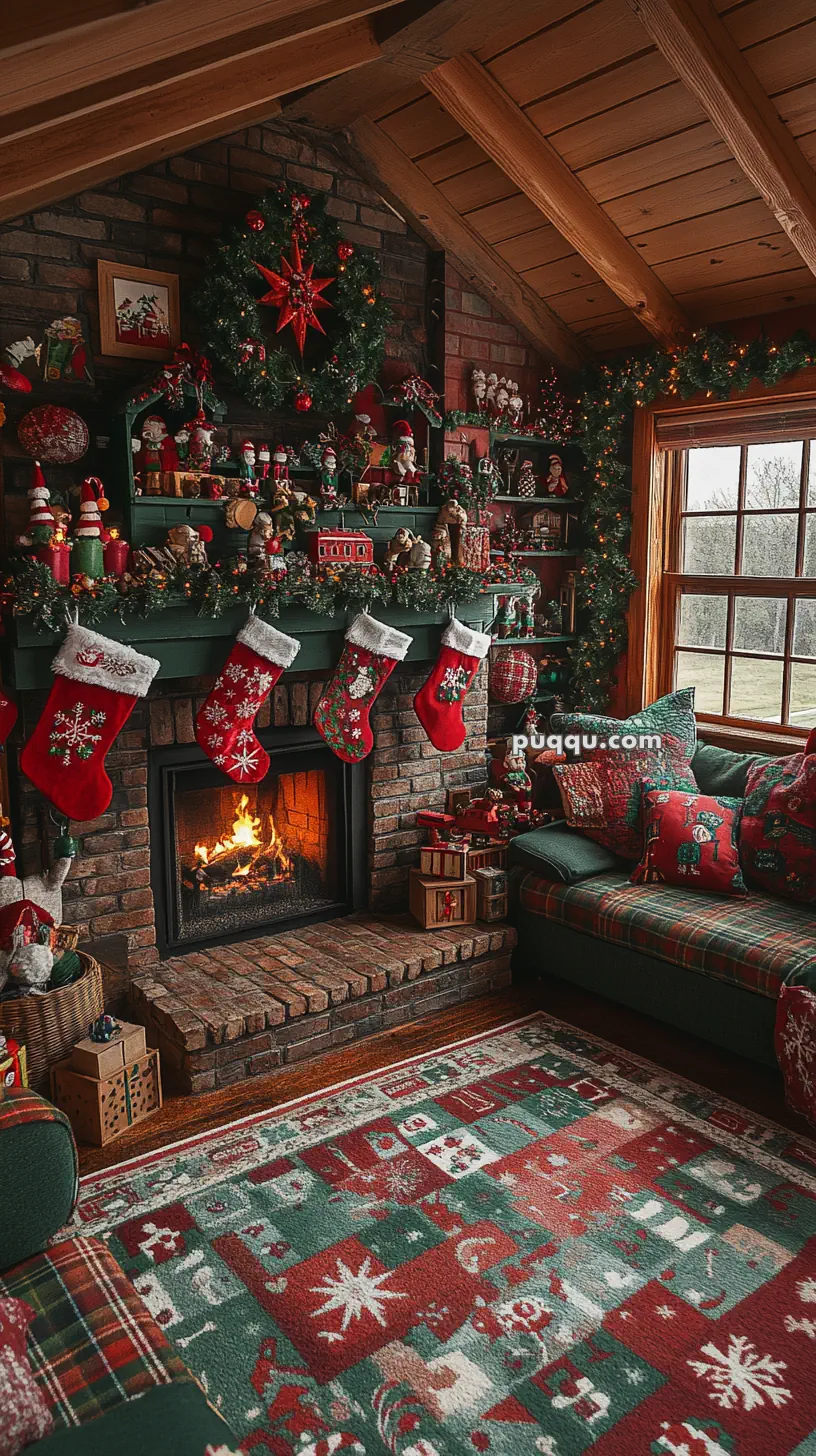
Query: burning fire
[248, 853]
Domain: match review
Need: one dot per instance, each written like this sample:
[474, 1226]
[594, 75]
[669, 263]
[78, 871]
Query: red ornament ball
[513, 676]
[345, 251]
[303, 400]
[255, 221]
[54, 434]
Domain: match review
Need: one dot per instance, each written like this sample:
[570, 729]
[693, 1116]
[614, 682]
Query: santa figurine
[41, 522]
[90, 535]
[280, 466]
[200, 447]
[403, 467]
[515, 404]
[478, 383]
[556, 481]
[246, 469]
[328, 478]
[264, 461]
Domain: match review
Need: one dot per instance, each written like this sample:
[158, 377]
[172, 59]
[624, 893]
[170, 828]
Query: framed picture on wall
[138, 311]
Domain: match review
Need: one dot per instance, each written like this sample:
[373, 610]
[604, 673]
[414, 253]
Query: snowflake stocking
[224, 724]
[97, 684]
[370, 655]
[439, 701]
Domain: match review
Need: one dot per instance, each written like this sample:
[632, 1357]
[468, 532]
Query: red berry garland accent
[255, 221]
[303, 400]
[345, 251]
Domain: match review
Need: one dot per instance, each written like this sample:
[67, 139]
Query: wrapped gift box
[99, 1109]
[439, 903]
[101, 1059]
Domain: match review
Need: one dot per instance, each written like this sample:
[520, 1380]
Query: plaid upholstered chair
[92, 1344]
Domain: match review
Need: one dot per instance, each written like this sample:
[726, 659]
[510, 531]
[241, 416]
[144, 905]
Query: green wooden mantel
[191, 646]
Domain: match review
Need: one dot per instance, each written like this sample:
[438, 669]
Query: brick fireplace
[111, 890]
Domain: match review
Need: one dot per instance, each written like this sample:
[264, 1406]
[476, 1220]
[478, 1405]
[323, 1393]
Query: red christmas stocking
[371, 653]
[439, 701]
[8, 717]
[97, 684]
[224, 723]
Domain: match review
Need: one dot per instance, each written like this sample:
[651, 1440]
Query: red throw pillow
[690, 840]
[24, 1414]
[778, 835]
[602, 795]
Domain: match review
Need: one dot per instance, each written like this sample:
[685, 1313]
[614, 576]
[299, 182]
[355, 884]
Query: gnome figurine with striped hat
[41, 523]
[86, 552]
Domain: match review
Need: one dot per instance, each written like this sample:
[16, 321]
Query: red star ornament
[297, 294]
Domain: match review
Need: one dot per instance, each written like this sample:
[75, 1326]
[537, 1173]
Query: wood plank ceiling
[598, 197]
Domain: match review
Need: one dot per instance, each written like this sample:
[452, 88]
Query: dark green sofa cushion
[38, 1174]
[559, 853]
[721, 771]
[169, 1420]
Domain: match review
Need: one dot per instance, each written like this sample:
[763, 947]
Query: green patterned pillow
[672, 716]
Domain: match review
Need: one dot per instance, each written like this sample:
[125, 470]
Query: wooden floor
[755, 1087]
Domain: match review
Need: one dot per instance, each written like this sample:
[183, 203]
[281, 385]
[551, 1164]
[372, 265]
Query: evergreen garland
[236, 328]
[711, 363]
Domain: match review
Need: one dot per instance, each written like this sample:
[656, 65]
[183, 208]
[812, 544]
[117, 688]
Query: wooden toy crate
[494, 855]
[99, 1109]
[491, 893]
[439, 903]
[444, 861]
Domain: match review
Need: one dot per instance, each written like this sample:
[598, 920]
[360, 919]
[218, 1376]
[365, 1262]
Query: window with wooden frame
[731, 587]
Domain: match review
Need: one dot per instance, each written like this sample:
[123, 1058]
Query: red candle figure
[115, 554]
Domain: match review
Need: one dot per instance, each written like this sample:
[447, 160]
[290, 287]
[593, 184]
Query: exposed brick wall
[168, 215]
[475, 334]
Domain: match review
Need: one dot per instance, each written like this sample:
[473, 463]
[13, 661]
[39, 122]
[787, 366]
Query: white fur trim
[376, 636]
[268, 642]
[464, 639]
[87, 657]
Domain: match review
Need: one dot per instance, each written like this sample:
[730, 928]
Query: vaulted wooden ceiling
[609, 171]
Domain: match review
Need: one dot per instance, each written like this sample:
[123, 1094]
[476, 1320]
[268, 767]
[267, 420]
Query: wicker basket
[49, 1025]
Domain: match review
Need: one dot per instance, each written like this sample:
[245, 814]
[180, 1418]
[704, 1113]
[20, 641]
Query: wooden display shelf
[534, 500]
[499, 552]
[534, 641]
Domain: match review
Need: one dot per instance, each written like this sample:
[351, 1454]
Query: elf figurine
[556, 481]
[264, 461]
[41, 522]
[328, 479]
[246, 469]
[86, 551]
[200, 449]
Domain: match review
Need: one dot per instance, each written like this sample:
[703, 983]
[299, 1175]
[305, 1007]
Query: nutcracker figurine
[264, 461]
[200, 447]
[246, 469]
[154, 435]
[328, 479]
[280, 466]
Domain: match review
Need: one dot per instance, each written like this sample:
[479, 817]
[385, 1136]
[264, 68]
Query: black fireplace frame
[166, 765]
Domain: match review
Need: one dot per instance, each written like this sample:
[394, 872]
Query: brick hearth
[222, 1015]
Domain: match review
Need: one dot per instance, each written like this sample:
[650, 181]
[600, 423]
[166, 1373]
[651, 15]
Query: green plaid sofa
[92, 1344]
[710, 965]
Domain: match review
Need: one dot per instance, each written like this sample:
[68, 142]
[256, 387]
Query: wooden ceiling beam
[408, 189]
[485, 112]
[59, 159]
[205, 63]
[166, 39]
[701, 50]
[441, 29]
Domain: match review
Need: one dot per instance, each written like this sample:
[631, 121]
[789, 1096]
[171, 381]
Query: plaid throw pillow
[602, 795]
[24, 1415]
[690, 840]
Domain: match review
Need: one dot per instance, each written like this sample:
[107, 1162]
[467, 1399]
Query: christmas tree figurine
[527, 482]
[41, 523]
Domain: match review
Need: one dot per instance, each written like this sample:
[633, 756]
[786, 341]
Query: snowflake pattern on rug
[529, 1244]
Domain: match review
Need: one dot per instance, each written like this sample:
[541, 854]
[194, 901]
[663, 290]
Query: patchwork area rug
[528, 1242]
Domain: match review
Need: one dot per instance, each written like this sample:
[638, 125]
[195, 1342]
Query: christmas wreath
[287, 270]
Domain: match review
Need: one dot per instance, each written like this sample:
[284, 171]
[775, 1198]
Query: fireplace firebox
[231, 859]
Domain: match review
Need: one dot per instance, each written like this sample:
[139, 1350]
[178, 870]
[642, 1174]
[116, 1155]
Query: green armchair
[92, 1344]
